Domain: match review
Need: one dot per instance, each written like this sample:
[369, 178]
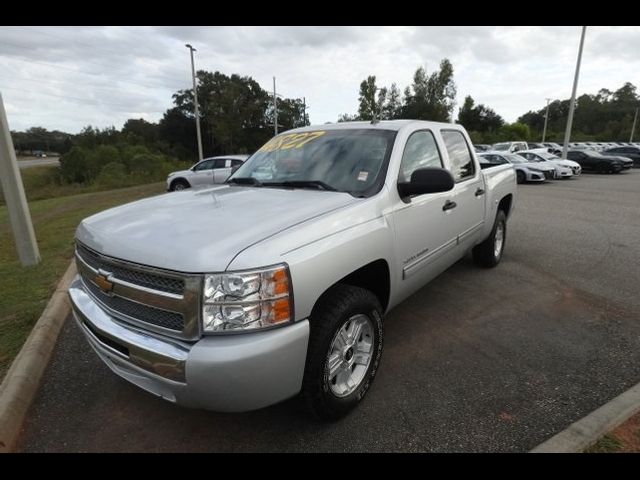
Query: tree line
[237, 116]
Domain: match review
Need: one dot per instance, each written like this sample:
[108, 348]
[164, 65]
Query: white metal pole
[546, 118]
[195, 101]
[14, 196]
[275, 107]
[572, 106]
[633, 128]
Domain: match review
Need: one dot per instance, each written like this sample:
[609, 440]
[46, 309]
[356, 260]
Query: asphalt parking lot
[476, 361]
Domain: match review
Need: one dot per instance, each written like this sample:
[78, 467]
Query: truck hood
[202, 230]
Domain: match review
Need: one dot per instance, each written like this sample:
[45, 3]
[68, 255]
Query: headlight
[247, 300]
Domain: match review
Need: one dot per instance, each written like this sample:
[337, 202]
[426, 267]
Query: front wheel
[489, 253]
[178, 185]
[344, 351]
[520, 177]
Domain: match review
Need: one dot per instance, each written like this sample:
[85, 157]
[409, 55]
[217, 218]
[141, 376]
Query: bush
[113, 174]
[129, 152]
[146, 163]
[79, 165]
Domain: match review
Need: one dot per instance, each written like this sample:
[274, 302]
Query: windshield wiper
[245, 181]
[318, 184]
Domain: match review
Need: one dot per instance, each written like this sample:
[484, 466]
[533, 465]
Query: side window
[420, 151]
[208, 165]
[462, 166]
[220, 163]
[236, 163]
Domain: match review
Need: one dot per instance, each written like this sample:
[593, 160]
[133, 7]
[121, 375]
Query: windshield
[548, 156]
[515, 159]
[346, 160]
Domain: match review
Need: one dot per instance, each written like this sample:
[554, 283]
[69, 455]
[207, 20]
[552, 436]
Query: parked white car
[206, 172]
[510, 147]
[564, 168]
[525, 171]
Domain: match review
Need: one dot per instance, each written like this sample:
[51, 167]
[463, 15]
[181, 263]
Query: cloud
[67, 77]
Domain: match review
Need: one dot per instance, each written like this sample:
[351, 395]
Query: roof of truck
[381, 125]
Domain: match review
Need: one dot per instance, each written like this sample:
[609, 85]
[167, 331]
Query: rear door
[468, 196]
[221, 170]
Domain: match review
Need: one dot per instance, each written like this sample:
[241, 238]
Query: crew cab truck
[237, 296]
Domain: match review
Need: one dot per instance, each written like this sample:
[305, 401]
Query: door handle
[479, 192]
[448, 205]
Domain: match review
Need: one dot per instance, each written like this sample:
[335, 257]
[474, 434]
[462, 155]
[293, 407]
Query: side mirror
[426, 180]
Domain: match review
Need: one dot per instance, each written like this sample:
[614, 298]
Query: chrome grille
[154, 316]
[147, 280]
[153, 299]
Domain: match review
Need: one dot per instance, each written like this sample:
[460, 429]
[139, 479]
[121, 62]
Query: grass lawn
[24, 292]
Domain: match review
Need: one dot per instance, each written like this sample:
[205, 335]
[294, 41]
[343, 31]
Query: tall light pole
[633, 128]
[15, 198]
[195, 101]
[567, 132]
[275, 108]
[546, 117]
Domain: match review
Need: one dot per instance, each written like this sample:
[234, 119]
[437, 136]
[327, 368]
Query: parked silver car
[564, 168]
[206, 172]
[525, 171]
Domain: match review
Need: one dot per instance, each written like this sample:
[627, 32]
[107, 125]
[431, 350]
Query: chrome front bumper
[226, 373]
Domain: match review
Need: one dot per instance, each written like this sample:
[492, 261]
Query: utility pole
[275, 107]
[195, 101]
[572, 106]
[546, 117]
[633, 128]
[14, 196]
[304, 111]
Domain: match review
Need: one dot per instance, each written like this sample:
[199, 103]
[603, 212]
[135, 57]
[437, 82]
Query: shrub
[146, 163]
[113, 174]
[79, 165]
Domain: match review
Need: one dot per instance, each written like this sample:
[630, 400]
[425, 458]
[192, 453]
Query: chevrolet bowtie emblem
[101, 281]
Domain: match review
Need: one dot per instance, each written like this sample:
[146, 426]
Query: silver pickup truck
[237, 296]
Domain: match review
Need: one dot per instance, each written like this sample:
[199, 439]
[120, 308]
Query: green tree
[478, 118]
[371, 99]
[431, 97]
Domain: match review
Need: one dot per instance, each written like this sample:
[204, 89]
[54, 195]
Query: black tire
[520, 177]
[179, 184]
[334, 309]
[484, 254]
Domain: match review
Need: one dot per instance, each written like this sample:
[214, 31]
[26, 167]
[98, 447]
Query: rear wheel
[178, 185]
[489, 253]
[345, 346]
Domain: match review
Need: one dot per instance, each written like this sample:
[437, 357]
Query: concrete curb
[19, 387]
[586, 431]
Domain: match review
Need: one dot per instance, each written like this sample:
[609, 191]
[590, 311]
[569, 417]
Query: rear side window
[421, 151]
[236, 163]
[220, 163]
[462, 166]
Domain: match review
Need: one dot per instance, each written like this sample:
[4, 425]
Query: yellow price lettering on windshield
[293, 140]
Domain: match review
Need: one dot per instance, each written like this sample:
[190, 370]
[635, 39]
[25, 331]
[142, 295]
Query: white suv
[206, 172]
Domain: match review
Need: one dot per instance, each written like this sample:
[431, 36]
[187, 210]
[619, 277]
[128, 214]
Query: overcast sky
[67, 77]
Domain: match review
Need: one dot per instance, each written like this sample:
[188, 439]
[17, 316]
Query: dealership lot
[478, 360]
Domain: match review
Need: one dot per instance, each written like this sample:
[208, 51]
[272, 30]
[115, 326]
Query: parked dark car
[481, 147]
[591, 160]
[632, 153]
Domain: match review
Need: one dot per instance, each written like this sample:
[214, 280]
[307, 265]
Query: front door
[425, 237]
[202, 173]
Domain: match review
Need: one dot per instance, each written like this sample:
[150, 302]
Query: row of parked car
[536, 162]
